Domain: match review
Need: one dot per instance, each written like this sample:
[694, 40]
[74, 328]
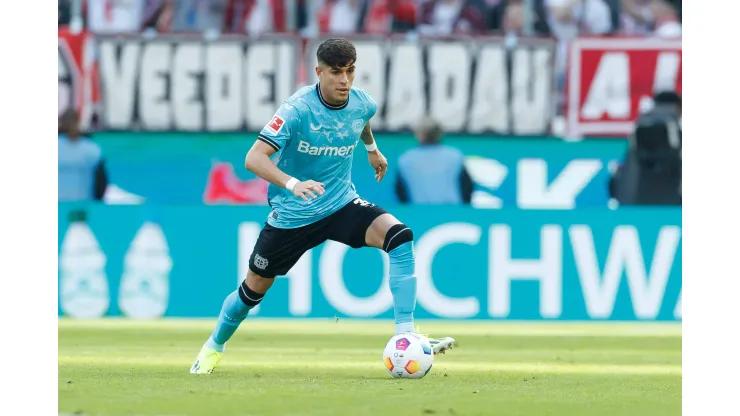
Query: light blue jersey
[315, 140]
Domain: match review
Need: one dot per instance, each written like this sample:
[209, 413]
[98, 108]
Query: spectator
[666, 23]
[569, 18]
[341, 16]
[64, 13]
[255, 17]
[651, 172]
[450, 17]
[497, 10]
[198, 15]
[433, 173]
[636, 17]
[82, 172]
[115, 16]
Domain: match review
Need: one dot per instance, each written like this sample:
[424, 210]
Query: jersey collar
[327, 105]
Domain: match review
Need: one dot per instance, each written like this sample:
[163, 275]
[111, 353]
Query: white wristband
[291, 183]
[371, 147]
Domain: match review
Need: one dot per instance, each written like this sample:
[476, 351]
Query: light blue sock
[403, 286]
[233, 312]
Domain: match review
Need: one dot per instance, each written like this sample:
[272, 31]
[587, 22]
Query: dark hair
[336, 53]
[667, 97]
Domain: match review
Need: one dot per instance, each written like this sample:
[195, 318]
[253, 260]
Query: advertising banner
[181, 83]
[610, 80]
[508, 173]
[145, 262]
[78, 88]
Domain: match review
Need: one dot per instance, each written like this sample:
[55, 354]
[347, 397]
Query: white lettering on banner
[187, 108]
[68, 81]
[449, 85]
[155, 86]
[405, 87]
[224, 86]
[610, 91]
[489, 109]
[625, 256]
[677, 312]
[332, 285]
[534, 193]
[426, 248]
[119, 78]
[177, 83]
[502, 269]
[531, 90]
[370, 75]
[270, 80]
[299, 277]
[611, 81]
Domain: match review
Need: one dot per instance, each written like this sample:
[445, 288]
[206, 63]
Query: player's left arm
[376, 159]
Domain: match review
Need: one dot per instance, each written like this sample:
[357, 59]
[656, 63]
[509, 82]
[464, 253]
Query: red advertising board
[77, 86]
[611, 79]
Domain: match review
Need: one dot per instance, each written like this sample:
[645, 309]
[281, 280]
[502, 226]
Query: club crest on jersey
[275, 124]
[357, 126]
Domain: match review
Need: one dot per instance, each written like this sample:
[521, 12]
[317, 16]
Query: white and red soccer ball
[408, 356]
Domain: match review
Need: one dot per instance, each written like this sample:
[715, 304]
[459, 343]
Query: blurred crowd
[561, 19]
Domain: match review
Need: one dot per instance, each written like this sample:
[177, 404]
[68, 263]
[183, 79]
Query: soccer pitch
[323, 367]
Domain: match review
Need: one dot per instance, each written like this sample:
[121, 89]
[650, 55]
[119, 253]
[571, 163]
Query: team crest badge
[260, 262]
[357, 126]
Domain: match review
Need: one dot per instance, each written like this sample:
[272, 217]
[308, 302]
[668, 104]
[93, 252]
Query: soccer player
[313, 199]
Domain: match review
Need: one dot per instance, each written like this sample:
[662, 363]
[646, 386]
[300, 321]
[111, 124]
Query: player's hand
[309, 188]
[379, 163]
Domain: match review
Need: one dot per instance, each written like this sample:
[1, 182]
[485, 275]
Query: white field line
[549, 368]
[364, 327]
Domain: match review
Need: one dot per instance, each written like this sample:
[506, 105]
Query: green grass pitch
[323, 367]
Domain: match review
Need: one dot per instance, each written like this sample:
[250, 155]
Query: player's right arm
[272, 138]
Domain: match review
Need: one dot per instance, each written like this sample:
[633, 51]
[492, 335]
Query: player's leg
[397, 239]
[390, 235]
[360, 224]
[275, 253]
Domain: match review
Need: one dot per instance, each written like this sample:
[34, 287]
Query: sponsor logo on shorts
[260, 262]
[362, 202]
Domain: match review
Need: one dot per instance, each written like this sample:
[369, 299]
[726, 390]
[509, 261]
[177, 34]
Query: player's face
[336, 82]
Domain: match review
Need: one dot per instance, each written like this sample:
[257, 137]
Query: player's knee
[397, 235]
[251, 296]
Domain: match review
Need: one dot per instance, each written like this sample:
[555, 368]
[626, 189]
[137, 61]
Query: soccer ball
[408, 355]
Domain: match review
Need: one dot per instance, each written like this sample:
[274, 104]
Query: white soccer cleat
[206, 361]
[441, 345]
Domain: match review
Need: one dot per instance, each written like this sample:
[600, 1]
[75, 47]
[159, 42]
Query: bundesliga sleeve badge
[275, 124]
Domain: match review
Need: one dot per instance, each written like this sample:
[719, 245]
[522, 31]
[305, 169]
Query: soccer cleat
[441, 345]
[206, 361]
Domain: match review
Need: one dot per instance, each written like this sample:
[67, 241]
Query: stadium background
[542, 118]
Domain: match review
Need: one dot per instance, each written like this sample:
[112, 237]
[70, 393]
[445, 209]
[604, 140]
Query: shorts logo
[357, 126]
[362, 202]
[260, 262]
[275, 124]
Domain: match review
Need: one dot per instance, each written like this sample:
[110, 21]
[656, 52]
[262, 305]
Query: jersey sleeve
[282, 126]
[372, 106]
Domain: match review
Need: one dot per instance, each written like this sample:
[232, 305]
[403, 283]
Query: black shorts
[278, 249]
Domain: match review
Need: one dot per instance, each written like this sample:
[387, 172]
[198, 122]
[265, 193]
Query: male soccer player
[313, 199]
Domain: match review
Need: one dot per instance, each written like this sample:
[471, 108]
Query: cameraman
[651, 172]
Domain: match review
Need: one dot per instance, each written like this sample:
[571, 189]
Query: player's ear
[318, 70]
